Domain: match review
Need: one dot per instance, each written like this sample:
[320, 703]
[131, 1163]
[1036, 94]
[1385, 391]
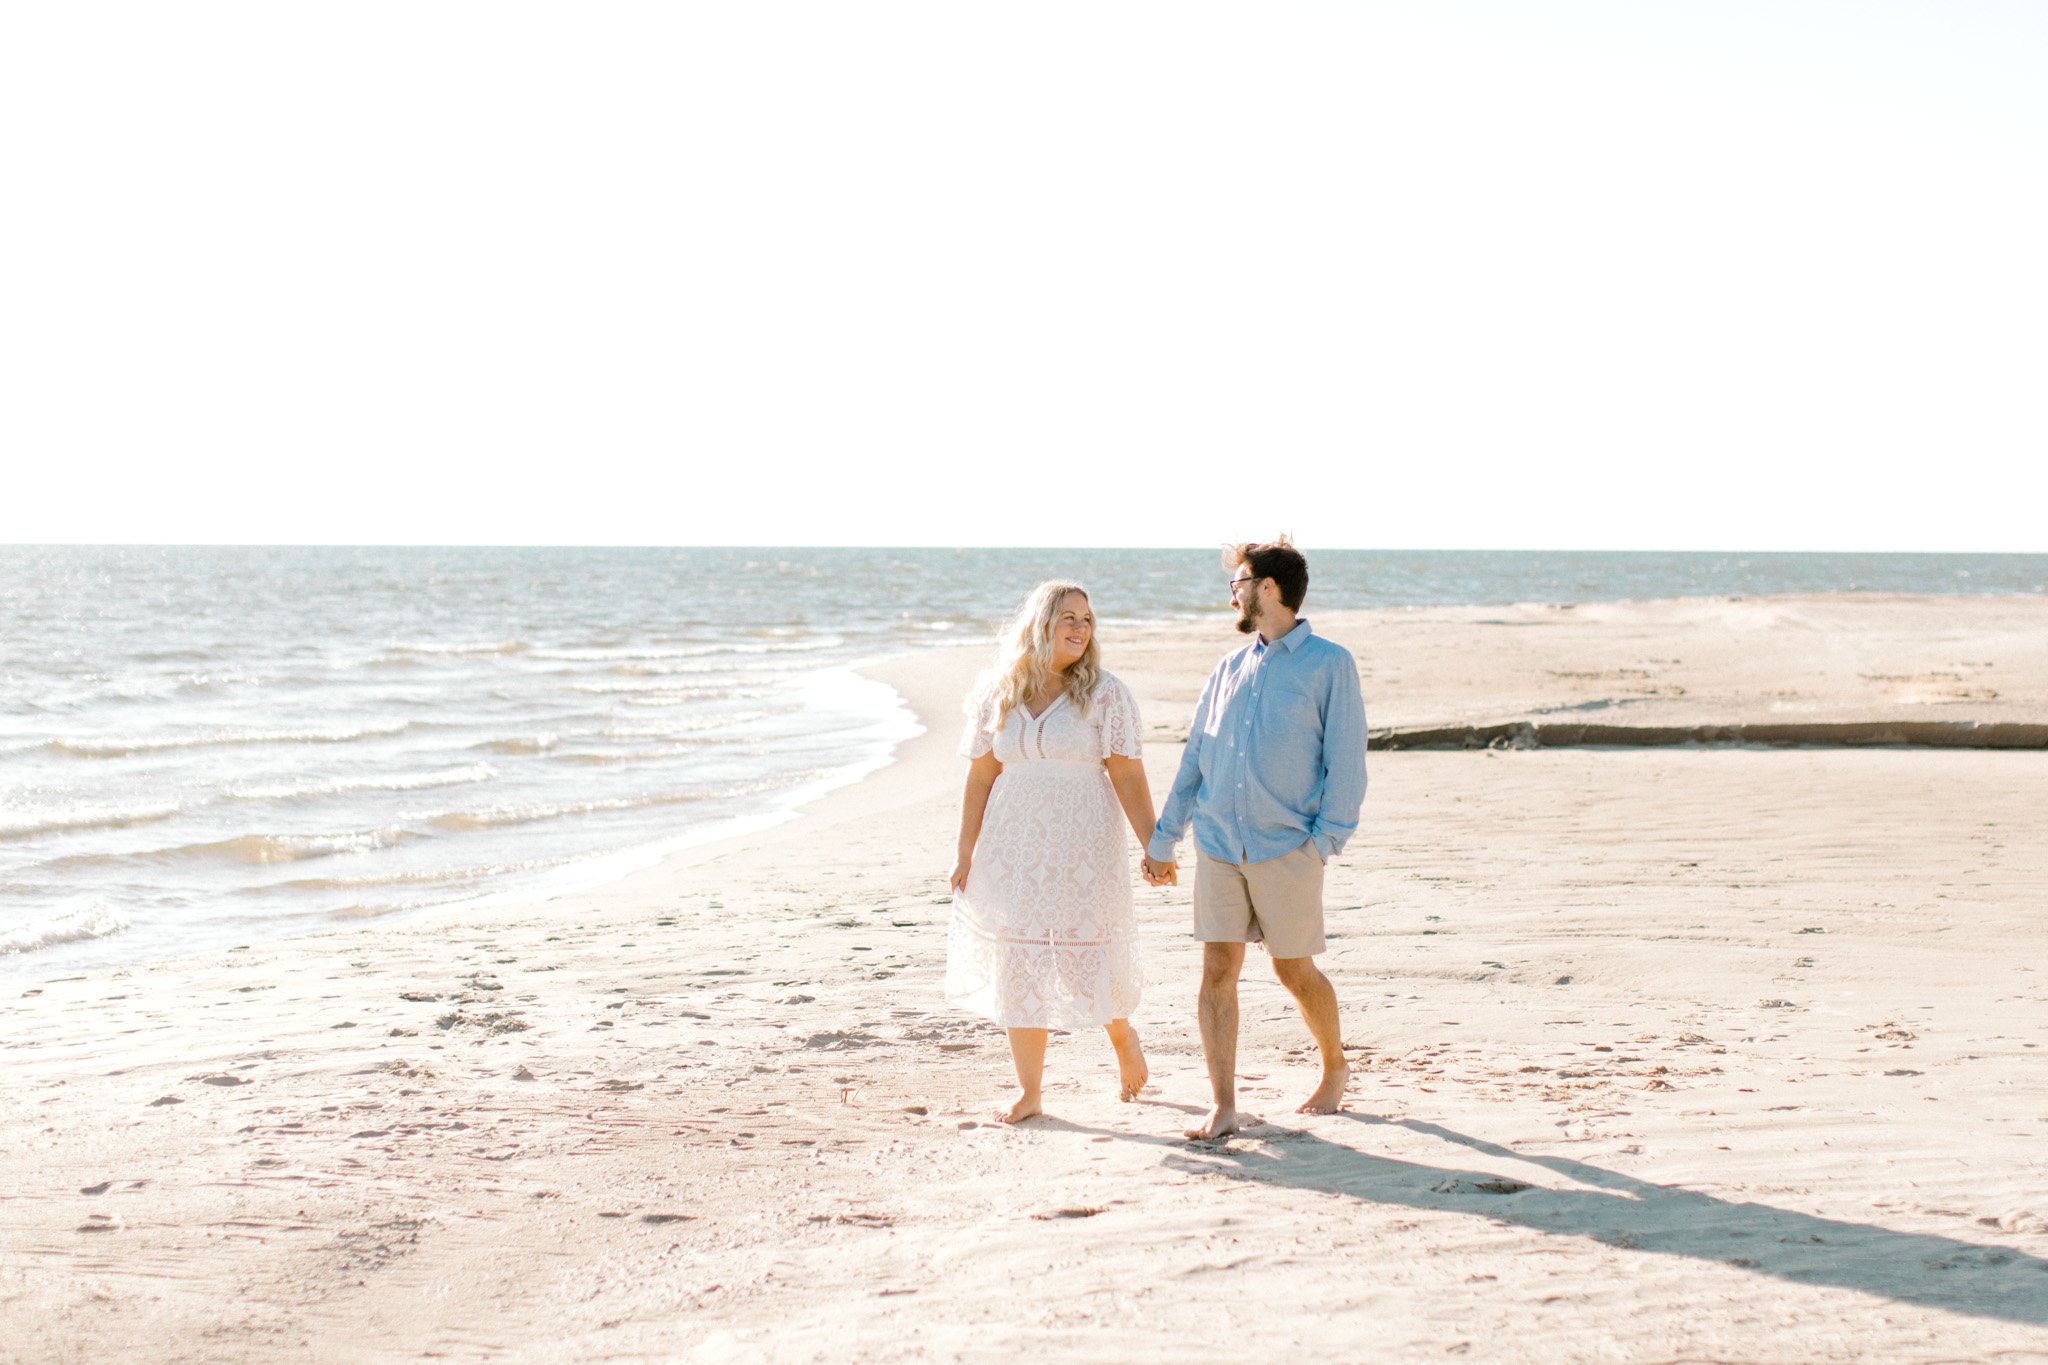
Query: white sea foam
[630, 653]
[23, 824]
[432, 877]
[645, 684]
[74, 925]
[678, 729]
[538, 743]
[532, 812]
[130, 746]
[274, 848]
[401, 782]
[673, 697]
[623, 756]
[484, 647]
[399, 907]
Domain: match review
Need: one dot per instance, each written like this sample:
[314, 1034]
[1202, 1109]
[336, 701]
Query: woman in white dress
[1044, 934]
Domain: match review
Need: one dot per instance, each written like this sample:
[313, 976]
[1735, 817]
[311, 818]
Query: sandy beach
[1688, 1052]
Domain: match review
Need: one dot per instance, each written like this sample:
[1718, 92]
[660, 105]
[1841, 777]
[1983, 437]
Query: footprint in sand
[2019, 1220]
[1454, 1185]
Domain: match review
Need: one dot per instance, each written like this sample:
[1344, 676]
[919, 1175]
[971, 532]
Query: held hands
[1161, 874]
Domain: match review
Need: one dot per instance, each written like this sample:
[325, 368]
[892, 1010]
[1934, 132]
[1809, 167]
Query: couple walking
[1044, 934]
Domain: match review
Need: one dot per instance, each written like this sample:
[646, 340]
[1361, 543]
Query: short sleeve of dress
[976, 740]
[1118, 712]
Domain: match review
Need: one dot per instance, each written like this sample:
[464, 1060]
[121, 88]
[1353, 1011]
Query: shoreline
[576, 875]
[1658, 715]
[1684, 1052]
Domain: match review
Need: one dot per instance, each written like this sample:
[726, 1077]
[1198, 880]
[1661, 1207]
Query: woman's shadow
[1621, 1211]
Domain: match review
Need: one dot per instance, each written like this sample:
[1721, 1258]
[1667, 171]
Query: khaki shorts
[1278, 902]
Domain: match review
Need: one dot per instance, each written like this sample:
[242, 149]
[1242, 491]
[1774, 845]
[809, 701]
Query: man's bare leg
[1318, 1001]
[1217, 1011]
[1027, 1056]
[1130, 1059]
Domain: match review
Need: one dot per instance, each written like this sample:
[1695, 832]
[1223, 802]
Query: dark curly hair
[1277, 560]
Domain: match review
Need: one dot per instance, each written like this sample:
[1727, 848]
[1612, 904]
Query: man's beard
[1248, 615]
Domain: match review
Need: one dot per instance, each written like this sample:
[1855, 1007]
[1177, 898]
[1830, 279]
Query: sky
[1690, 275]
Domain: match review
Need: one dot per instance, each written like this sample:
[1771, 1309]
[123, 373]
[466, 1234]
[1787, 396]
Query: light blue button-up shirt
[1275, 757]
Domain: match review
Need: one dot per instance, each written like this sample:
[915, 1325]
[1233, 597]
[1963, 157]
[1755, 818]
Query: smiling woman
[1044, 934]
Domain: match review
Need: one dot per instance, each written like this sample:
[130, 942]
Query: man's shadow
[1621, 1211]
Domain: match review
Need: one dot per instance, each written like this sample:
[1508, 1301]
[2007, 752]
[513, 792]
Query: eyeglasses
[1248, 578]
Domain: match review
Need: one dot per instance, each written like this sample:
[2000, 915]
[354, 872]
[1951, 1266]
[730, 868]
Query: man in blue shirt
[1273, 777]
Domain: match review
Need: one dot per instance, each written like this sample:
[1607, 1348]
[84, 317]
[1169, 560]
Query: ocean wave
[520, 744]
[748, 666]
[448, 875]
[592, 757]
[616, 688]
[481, 647]
[534, 812]
[406, 782]
[673, 697]
[19, 824]
[645, 684]
[400, 908]
[129, 746]
[284, 848]
[416, 878]
[685, 729]
[629, 653]
[604, 654]
[157, 688]
[70, 926]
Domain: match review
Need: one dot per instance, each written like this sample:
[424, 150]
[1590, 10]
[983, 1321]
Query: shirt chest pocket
[1290, 708]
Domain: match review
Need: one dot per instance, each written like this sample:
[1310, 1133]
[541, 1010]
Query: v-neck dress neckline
[1049, 708]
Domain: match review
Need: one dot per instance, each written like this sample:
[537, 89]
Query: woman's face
[1072, 629]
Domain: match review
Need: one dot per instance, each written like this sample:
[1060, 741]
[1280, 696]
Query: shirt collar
[1293, 639]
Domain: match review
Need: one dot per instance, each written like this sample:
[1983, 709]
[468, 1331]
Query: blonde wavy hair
[1023, 663]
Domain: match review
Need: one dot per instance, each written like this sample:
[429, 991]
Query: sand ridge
[1688, 1053]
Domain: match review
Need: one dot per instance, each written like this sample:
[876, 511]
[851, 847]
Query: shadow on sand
[1621, 1211]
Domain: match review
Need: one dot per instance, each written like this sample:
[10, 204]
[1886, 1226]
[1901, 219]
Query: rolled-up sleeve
[1343, 793]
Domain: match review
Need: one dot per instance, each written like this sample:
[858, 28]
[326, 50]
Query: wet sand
[1705, 1052]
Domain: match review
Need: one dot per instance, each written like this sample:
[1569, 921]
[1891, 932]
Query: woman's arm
[1133, 793]
[981, 777]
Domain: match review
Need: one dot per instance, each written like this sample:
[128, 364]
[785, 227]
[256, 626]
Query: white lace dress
[1044, 935]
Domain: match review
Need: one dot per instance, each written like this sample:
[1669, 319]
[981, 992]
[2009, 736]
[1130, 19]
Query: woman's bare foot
[1130, 1061]
[1026, 1106]
[1329, 1096]
[1221, 1121]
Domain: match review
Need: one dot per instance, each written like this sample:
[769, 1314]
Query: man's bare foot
[1130, 1064]
[1329, 1096]
[1024, 1107]
[1221, 1121]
